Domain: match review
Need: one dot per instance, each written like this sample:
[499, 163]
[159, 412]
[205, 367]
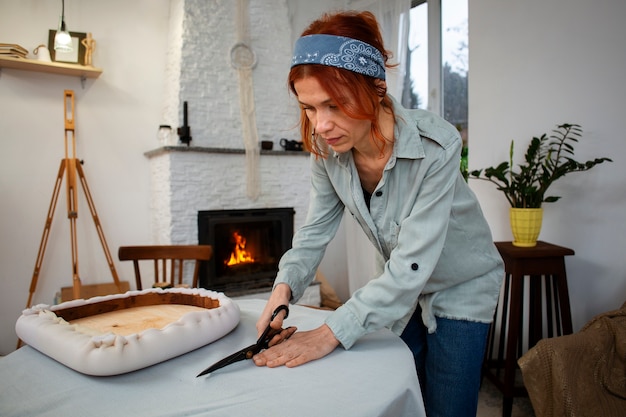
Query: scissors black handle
[267, 334]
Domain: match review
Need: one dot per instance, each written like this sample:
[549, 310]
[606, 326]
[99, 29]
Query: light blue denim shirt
[424, 221]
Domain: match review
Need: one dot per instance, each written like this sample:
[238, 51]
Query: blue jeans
[448, 364]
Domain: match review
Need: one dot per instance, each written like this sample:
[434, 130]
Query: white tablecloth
[374, 378]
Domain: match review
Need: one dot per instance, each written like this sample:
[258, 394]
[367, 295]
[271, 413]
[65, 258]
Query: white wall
[117, 116]
[533, 65]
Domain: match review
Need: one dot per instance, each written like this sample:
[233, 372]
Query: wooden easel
[70, 166]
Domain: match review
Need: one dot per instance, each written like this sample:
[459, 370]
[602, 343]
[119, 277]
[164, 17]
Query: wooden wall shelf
[50, 67]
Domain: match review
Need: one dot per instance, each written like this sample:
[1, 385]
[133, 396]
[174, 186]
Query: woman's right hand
[280, 296]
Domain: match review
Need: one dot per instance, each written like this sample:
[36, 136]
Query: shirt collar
[408, 140]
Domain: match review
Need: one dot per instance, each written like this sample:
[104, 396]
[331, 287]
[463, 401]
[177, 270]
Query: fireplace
[247, 246]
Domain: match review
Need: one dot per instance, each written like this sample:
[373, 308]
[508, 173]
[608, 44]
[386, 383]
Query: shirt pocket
[392, 240]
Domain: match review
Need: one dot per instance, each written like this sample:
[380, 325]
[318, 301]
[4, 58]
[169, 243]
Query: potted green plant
[547, 159]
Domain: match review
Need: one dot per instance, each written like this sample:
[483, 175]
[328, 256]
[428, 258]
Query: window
[437, 61]
[415, 92]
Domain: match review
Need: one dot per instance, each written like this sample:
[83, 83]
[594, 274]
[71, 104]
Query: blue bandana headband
[340, 52]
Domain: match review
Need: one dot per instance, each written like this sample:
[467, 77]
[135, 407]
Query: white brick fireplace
[211, 173]
[187, 180]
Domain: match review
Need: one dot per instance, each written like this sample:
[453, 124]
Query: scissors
[250, 351]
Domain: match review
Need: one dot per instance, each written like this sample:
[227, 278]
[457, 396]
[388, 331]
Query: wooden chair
[171, 259]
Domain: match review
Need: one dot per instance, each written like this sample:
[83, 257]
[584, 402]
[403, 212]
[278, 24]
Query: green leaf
[547, 159]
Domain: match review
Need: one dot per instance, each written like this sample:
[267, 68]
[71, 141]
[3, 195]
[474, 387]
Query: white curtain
[364, 262]
[393, 18]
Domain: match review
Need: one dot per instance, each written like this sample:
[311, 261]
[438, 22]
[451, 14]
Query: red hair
[357, 95]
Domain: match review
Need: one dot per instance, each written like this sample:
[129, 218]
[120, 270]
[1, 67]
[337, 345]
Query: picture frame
[77, 56]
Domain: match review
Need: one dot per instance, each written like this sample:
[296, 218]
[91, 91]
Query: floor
[490, 403]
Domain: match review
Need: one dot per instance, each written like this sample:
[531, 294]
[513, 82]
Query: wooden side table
[544, 265]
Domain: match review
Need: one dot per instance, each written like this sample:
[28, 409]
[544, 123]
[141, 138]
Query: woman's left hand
[299, 349]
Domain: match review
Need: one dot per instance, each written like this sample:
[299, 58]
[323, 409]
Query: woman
[397, 172]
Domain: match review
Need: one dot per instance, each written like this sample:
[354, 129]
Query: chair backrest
[166, 258]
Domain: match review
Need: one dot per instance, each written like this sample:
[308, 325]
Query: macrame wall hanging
[243, 59]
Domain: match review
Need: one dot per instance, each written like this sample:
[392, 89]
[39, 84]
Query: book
[13, 50]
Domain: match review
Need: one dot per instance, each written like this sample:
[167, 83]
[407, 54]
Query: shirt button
[414, 266]
[379, 193]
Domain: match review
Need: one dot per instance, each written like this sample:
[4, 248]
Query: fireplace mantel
[202, 149]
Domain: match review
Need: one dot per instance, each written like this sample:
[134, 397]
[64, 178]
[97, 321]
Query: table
[544, 265]
[374, 378]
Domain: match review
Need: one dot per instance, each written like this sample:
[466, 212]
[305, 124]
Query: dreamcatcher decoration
[243, 59]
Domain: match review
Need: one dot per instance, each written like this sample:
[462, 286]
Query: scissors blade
[250, 351]
[241, 355]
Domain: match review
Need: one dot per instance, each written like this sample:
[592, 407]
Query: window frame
[435, 64]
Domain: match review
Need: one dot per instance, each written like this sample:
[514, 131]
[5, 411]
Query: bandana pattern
[340, 52]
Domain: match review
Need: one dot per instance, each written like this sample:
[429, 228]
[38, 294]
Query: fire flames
[239, 255]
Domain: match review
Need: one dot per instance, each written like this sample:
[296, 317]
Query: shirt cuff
[297, 287]
[345, 326]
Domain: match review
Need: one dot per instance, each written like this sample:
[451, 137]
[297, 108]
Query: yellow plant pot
[525, 225]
